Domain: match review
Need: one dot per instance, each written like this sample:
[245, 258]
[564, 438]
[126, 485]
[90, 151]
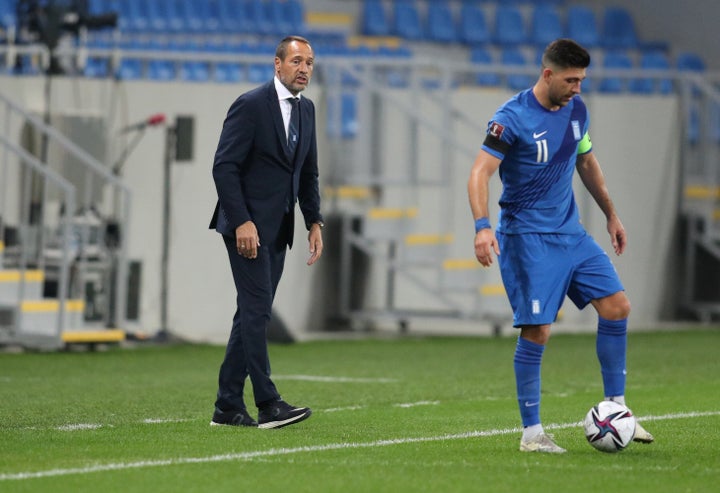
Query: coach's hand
[247, 240]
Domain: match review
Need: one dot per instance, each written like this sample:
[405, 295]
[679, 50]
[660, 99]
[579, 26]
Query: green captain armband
[584, 145]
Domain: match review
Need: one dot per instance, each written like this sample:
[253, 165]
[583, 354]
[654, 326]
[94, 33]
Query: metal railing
[60, 243]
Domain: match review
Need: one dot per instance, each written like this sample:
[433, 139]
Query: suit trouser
[256, 281]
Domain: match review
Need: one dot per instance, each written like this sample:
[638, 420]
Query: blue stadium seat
[233, 16]
[7, 14]
[259, 17]
[175, 18]
[619, 29]
[158, 16]
[137, 15]
[192, 15]
[482, 56]
[209, 11]
[260, 72]
[546, 25]
[130, 69]
[582, 26]
[374, 18]
[615, 60]
[512, 56]
[348, 116]
[97, 67]
[406, 20]
[689, 61]
[509, 26]
[441, 24]
[473, 25]
[652, 60]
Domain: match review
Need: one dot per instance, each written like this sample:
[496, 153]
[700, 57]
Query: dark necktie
[293, 126]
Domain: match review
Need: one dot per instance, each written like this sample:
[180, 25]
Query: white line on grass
[244, 456]
[319, 378]
[419, 403]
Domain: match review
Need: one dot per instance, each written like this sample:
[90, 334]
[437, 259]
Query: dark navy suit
[258, 180]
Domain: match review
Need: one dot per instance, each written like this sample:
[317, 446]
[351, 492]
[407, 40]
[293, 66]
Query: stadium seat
[689, 61]
[158, 16]
[348, 117]
[546, 25]
[582, 26]
[259, 17]
[473, 25]
[374, 18]
[406, 21]
[482, 56]
[513, 57]
[509, 26]
[615, 60]
[96, 67]
[136, 12]
[233, 16]
[441, 24]
[619, 29]
[129, 69]
[209, 11]
[175, 18]
[653, 60]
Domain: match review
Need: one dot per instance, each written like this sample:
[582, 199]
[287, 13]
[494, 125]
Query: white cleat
[541, 443]
[641, 434]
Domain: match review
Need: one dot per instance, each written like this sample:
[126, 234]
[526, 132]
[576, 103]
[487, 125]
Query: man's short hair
[281, 50]
[565, 53]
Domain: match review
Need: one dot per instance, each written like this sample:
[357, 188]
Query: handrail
[70, 200]
[92, 166]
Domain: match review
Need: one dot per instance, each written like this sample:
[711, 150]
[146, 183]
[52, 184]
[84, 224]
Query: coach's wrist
[482, 223]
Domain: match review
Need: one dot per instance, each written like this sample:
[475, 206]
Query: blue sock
[611, 347]
[528, 357]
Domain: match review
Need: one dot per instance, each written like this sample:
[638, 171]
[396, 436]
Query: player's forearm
[478, 194]
[594, 181]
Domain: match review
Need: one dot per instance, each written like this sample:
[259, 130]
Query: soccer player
[537, 139]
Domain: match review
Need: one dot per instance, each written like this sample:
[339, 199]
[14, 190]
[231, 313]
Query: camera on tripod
[46, 21]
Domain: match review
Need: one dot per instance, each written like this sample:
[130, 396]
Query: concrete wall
[635, 138]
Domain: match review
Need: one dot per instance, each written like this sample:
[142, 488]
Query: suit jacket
[255, 176]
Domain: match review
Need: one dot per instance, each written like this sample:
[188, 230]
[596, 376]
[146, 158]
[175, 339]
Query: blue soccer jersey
[538, 149]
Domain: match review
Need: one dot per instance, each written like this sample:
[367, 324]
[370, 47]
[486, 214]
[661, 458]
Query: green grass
[461, 434]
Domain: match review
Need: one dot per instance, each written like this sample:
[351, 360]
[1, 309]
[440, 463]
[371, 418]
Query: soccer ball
[609, 426]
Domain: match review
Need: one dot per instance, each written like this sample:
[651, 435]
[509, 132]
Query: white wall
[634, 137]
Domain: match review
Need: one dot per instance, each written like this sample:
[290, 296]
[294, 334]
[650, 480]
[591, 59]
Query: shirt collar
[282, 91]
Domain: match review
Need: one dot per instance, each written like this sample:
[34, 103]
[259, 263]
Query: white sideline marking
[336, 409]
[419, 403]
[317, 378]
[154, 421]
[79, 426]
[244, 456]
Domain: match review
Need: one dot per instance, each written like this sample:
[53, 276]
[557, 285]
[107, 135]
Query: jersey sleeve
[499, 136]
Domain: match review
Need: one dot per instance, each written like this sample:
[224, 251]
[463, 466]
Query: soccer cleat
[280, 413]
[233, 418]
[541, 443]
[641, 434]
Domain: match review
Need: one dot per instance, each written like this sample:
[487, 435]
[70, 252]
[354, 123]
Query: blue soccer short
[539, 270]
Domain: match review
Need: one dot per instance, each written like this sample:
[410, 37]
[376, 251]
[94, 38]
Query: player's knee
[618, 308]
[614, 307]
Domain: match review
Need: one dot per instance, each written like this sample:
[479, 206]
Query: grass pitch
[410, 414]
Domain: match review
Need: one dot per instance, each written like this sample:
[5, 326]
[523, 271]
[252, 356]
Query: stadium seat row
[611, 60]
[445, 22]
[267, 17]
